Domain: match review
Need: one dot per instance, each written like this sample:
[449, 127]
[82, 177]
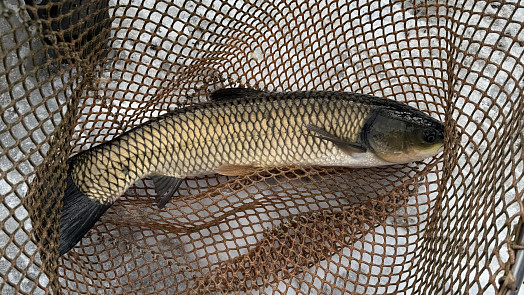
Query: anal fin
[234, 170]
[165, 187]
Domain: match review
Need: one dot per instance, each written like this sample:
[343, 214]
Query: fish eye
[429, 135]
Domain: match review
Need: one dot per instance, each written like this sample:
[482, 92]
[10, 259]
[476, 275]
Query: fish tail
[79, 214]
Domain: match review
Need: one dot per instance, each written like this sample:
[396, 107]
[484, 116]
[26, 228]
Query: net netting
[77, 73]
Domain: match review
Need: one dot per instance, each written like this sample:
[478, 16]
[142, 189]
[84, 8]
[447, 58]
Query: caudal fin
[79, 214]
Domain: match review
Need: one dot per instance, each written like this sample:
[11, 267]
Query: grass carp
[239, 130]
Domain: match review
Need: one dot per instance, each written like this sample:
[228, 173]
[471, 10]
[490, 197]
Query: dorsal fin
[234, 93]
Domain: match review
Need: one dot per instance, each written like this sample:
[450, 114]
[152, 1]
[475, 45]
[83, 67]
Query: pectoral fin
[346, 147]
[165, 187]
[234, 170]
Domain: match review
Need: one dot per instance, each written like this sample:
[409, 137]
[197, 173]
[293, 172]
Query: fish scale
[265, 132]
[236, 134]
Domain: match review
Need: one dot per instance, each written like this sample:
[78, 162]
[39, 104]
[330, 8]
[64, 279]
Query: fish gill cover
[78, 73]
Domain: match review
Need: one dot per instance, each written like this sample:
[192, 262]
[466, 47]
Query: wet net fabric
[77, 73]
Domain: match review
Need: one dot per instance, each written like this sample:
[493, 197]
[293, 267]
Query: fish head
[403, 135]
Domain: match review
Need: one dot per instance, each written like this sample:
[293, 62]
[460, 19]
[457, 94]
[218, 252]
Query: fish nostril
[441, 134]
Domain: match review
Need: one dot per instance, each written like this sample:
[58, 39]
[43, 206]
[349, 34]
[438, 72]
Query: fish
[240, 130]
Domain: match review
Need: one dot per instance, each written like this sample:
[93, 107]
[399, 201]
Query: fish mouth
[419, 155]
[436, 150]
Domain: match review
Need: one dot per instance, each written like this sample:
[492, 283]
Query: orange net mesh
[80, 72]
